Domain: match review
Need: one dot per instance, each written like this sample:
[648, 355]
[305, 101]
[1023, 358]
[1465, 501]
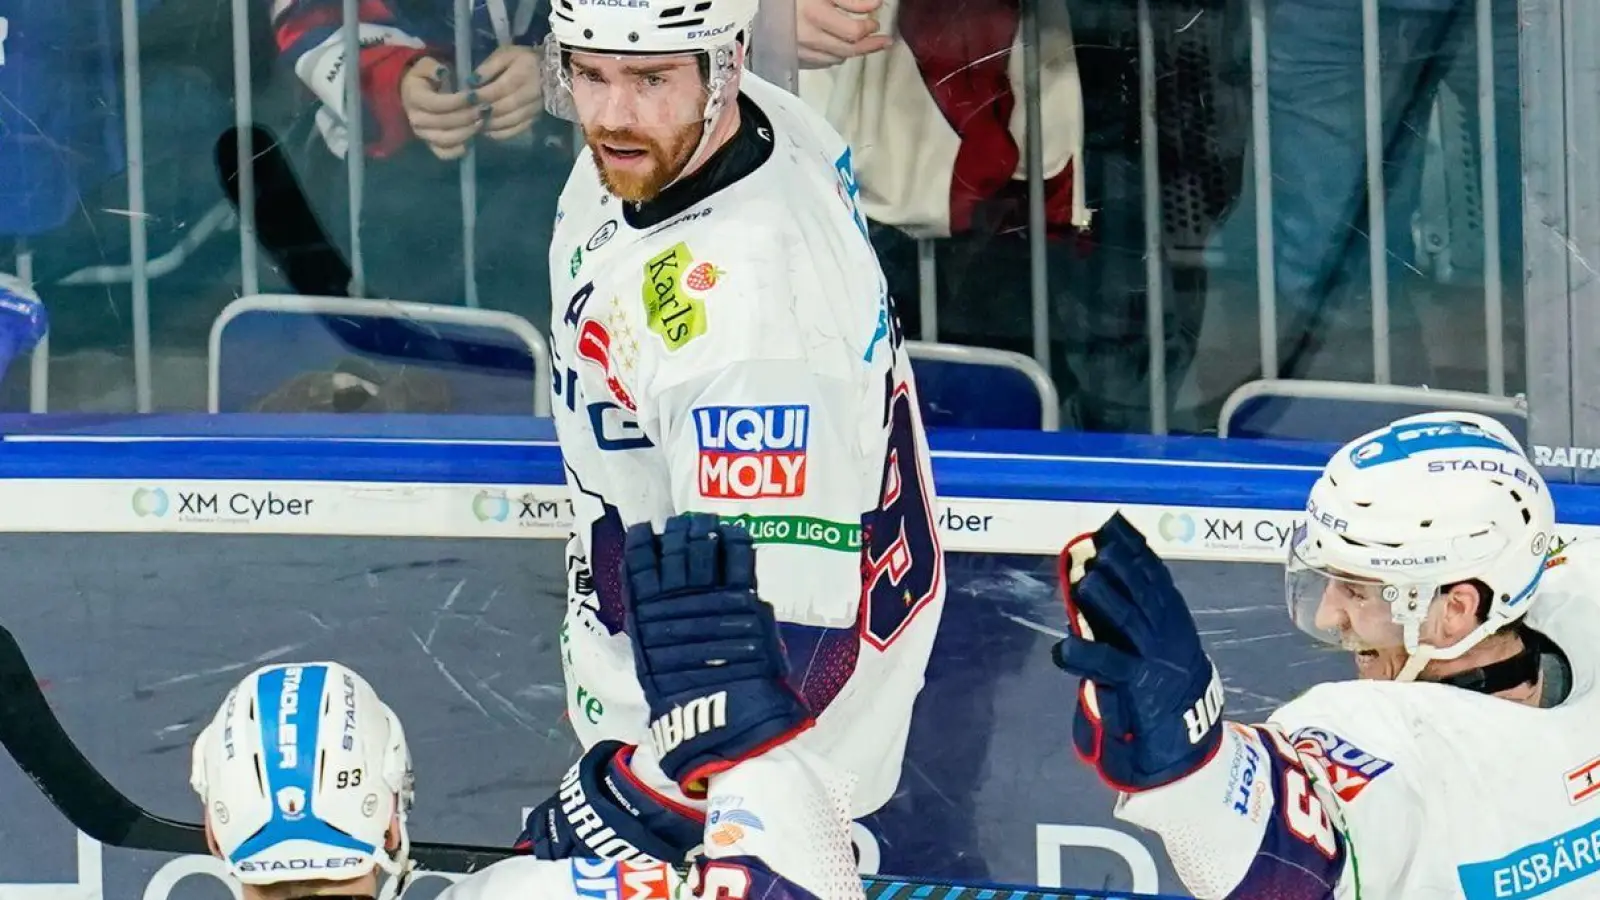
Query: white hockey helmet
[302, 772]
[1429, 501]
[647, 28]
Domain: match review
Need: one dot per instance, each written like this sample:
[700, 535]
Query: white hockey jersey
[739, 358]
[1417, 791]
[776, 830]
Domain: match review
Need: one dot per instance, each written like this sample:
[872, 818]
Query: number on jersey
[901, 562]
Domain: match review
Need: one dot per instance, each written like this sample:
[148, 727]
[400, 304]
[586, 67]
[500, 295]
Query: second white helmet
[305, 774]
[1426, 502]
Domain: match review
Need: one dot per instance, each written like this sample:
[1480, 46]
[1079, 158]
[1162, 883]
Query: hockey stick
[286, 225]
[33, 736]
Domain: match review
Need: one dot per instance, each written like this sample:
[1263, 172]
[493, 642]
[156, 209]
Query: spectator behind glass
[942, 105]
[64, 193]
[1320, 223]
[420, 115]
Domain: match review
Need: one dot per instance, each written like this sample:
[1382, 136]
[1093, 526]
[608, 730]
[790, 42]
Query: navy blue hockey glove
[706, 648]
[1150, 705]
[601, 811]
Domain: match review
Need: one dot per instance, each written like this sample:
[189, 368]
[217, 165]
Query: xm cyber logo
[1177, 527]
[527, 510]
[150, 502]
[1261, 533]
[491, 507]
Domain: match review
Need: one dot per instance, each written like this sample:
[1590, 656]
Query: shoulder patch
[674, 285]
[1350, 769]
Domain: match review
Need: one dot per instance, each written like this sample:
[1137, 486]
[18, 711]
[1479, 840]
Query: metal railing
[139, 272]
[299, 304]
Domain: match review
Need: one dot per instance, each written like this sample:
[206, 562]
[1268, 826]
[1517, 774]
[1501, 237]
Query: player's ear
[1459, 613]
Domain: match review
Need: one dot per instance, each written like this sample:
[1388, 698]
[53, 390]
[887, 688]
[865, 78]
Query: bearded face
[635, 164]
[642, 117]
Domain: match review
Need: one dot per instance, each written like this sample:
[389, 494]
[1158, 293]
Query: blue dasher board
[148, 571]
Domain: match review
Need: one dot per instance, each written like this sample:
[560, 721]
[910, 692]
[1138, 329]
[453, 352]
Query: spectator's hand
[442, 119]
[832, 31]
[511, 86]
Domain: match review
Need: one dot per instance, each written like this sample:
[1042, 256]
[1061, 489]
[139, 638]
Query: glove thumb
[1101, 663]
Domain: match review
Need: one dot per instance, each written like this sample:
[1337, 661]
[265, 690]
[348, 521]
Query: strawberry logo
[702, 277]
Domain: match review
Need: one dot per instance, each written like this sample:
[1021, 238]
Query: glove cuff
[700, 736]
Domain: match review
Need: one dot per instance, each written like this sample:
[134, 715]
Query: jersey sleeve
[308, 37]
[778, 826]
[1294, 809]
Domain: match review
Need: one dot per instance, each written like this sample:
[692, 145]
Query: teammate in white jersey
[1465, 761]
[723, 343]
[305, 776]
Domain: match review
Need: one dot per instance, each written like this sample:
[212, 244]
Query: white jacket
[905, 151]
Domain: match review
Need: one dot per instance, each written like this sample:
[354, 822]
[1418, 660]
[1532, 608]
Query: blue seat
[1337, 411]
[492, 363]
[977, 387]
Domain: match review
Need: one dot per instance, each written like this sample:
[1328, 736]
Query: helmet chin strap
[715, 105]
[1518, 669]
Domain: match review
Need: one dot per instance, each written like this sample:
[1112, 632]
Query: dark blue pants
[1319, 168]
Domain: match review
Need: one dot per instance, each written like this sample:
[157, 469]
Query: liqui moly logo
[752, 452]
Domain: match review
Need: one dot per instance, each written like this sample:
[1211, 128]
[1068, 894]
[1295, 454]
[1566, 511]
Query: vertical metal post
[776, 51]
[1377, 221]
[39, 362]
[138, 243]
[1261, 153]
[1489, 179]
[1155, 284]
[355, 156]
[1580, 32]
[1038, 225]
[468, 169]
[1545, 226]
[243, 120]
[928, 288]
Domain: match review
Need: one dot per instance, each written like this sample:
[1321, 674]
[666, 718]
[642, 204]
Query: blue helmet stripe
[289, 711]
[1387, 447]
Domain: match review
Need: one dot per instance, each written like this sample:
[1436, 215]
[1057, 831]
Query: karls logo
[752, 452]
[688, 721]
[670, 310]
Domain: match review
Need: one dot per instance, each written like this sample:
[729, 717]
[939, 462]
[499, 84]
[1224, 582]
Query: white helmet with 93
[305, 775]
[1405, 512]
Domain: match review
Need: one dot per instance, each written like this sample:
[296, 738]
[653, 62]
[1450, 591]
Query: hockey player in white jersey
[1464, 761]
[306, 779]
[723, 343]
